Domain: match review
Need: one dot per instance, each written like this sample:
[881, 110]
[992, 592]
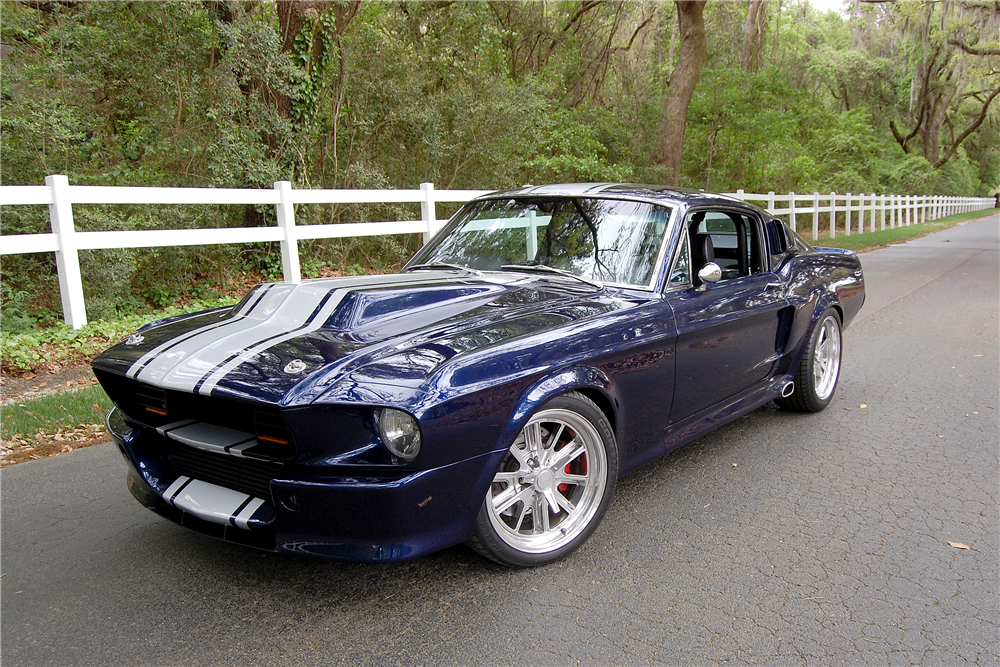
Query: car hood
[287, 344]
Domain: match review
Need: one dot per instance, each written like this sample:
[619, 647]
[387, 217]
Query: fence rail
[858, 213]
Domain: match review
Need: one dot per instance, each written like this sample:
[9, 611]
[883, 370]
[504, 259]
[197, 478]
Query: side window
[778, 240]
[730, 239]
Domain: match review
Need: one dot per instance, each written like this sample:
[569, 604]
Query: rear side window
[779, 241]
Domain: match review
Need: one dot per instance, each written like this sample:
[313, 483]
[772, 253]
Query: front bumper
[336, 512]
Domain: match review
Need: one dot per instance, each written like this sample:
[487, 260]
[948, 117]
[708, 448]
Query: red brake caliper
[583, 465]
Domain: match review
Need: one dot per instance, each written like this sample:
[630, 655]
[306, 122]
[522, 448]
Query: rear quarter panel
[828, 277]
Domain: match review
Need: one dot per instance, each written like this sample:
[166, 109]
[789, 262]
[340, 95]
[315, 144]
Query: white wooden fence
[859, 215]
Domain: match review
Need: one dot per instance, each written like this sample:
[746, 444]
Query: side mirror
[710, 273]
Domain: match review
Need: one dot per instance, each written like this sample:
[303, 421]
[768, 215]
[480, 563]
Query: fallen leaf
[959, 545]
[863, 406]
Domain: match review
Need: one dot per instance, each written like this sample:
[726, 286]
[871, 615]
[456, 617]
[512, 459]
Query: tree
[693, 49]
[954, 82]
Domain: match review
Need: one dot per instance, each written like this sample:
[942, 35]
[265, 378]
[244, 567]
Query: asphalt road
[779, 539]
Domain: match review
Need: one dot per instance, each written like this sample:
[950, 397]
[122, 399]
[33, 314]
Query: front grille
[153, 406]
[152, 399]
[243, 475]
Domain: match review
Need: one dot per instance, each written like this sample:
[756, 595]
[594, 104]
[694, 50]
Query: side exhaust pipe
[787, 390]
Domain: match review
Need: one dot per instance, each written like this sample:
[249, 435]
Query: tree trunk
[693, 49]
[753, 35]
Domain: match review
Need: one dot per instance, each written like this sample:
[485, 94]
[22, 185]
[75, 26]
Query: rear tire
[553, 486]
[818, 372]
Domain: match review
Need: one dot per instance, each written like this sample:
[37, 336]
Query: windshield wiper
[443, 265]
[550, 269]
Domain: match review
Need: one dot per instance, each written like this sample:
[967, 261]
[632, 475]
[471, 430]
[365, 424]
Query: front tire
[553, 486]
[818, 372]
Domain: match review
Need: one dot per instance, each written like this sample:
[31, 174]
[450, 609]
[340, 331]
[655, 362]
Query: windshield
[607, 240]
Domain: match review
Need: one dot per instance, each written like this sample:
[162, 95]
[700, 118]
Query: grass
[879, 239]
[54, 413]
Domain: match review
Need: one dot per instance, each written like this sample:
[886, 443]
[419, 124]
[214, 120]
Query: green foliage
[14, 313]
[569, 149]
[30, 350]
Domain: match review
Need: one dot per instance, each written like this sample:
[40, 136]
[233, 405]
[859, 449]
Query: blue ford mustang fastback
[547, 341]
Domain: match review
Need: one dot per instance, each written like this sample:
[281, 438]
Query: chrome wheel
[826, 360]
[819, 370]
[551, 483]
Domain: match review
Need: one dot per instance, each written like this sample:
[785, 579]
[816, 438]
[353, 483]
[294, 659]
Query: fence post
[874, 209]
[770, 202]
[739, 194]
[427, 211]
[67, 257]
[791, 206]
[815, 215]
[833, 215]
[290, 271]
[883, 213]
[847, 219]
[861, 213]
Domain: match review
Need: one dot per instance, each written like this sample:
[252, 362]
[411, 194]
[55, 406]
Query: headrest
[702, 250]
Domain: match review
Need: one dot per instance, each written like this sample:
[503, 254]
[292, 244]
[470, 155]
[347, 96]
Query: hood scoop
[364, 309]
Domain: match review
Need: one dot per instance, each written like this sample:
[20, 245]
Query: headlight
[400, 433]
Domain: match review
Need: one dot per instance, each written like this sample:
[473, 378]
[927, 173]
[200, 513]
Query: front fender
[547, 388]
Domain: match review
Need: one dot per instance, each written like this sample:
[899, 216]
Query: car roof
[684, 197]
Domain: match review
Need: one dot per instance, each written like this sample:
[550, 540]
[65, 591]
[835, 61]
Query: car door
[728, 332]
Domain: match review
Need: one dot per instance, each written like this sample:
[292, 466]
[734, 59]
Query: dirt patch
[32, 385]
[85, 435]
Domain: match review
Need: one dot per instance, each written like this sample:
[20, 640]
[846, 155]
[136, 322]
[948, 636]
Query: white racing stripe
[205, 356]
[214, 326]
[212, 502]
[190, 359]
[213, 378]
[242, 519]
[208, 436]
[174, 488]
